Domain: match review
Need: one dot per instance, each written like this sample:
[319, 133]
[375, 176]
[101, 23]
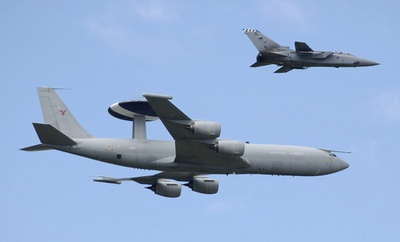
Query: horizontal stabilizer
[52, 136]
[38, 147]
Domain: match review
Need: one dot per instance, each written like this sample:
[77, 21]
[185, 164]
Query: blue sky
[110, 51]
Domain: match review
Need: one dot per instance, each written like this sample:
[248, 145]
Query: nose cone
[341, 164]
[365, 62]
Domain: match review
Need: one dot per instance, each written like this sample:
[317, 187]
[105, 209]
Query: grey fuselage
[320, 59]
[160, 155]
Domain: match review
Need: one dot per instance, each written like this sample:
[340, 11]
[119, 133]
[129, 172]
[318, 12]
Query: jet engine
[206, 129]
[229, 147]
[203, 185]
[261, 58]
[166, 188]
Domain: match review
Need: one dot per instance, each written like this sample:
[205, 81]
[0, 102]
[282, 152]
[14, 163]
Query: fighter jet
[196, 151]
[303, 57]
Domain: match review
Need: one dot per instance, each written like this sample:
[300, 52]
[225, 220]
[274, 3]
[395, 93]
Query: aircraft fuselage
[323, 59]
[160, 155]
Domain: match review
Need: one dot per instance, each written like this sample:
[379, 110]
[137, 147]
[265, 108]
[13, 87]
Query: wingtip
[152, 95]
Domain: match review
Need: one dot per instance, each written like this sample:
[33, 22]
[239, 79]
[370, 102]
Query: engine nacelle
[230, 147]
[166, 188]
[204, 185]
[206, 129]
[261, 58]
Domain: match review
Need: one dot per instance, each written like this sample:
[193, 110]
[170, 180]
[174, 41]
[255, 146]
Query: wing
[164, 183]
[194, 140]
[178, 176]
[305, 50]
[287, 68]
[284, 69]
[180, 126]
[173, 119]
[257, 64]
[302, 47]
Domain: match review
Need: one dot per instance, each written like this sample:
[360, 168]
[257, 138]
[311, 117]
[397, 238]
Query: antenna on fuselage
[136, 111]
[139, 127]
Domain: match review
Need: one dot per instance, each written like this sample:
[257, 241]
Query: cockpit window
[343, 53]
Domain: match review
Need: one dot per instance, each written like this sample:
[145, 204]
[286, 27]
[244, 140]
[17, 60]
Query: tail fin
[56, 113]
[262, 42]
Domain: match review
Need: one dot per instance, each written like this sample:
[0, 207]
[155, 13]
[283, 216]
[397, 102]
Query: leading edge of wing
[164, 108]
[173, 118]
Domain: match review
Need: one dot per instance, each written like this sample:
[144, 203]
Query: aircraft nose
[341, 164]
[365, 62]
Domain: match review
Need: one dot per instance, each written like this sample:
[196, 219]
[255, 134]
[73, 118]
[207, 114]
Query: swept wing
[302, 47]
[196, 142]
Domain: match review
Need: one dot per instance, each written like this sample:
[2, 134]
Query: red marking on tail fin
[63, 112]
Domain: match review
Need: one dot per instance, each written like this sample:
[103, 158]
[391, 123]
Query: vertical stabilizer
[57, 114]
[262, 42]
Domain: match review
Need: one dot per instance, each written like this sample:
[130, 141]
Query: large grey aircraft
[196, 151]
[303, 57]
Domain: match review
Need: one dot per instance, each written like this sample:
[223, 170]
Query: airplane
[303, 57]
[196, 151]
